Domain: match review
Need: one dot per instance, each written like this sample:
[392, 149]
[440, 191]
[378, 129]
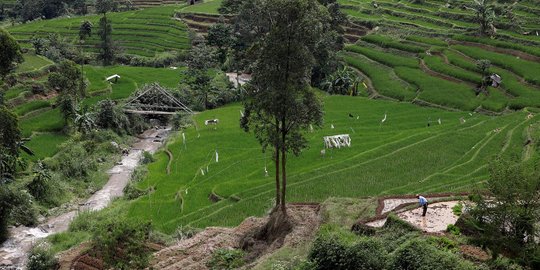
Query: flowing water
[14, 251]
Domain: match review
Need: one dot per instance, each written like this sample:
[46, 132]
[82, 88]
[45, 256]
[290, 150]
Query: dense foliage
[121, 244]
[10, 53]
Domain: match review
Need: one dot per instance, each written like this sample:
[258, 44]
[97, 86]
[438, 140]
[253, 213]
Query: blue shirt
[422, 201]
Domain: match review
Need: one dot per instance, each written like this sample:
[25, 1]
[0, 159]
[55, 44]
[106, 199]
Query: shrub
[185, 232]
[453, 229]
[225, 259]
[457, 209]
[41, 258]
[147, 157]
[503, 263]
[121, 243]
[419, 254]
[337, 248]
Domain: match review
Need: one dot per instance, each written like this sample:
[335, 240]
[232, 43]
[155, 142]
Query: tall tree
[66, 81]
[10, 52]
[200, 60]
[106, 47]
[220, 36]
[508, 214]
[104, 6]
[280, 102]
[10, 137]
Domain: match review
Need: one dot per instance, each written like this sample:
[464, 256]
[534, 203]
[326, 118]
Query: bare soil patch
[195, 252]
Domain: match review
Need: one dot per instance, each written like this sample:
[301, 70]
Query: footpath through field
[14, 251]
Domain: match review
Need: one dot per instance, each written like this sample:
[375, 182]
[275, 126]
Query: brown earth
[195, 252]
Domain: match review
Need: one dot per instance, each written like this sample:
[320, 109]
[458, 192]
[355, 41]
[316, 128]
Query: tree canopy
[10, 52]
[281, 103]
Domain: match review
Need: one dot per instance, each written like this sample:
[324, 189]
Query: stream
[13, 252]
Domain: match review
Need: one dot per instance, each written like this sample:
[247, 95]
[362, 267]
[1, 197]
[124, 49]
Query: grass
[143, 32]
[388, 59]
[439, 91]
[45, 144]
[207, 7]
[31, 106]
[526, 69]
[379, 161]
[525, 95]
[388, 42]
[132, 78]
[32, 63]
[383, 78]
[534, 50]
[437, 64]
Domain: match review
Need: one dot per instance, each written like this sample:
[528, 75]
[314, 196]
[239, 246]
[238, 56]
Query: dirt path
[13, 251]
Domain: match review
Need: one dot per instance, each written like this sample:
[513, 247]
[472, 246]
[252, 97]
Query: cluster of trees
[27, 10]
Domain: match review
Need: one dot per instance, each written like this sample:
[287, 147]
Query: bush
[225, 259]
[419, 254]
[453, 229]
[336, 248]
[185, 232]
[147, 157]
[41, 258]
[121, 244]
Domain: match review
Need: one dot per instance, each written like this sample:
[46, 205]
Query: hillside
[410, 152]
[146, 32]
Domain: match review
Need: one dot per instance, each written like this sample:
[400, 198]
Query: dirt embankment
[194, 253]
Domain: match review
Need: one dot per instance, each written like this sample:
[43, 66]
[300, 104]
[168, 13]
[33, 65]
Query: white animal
[211, 122]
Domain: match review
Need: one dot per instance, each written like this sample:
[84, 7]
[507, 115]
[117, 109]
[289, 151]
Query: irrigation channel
[13, 253]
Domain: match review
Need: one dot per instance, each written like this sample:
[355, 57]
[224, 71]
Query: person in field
[423, 203]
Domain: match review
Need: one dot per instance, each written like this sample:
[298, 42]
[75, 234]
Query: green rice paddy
[410, 152]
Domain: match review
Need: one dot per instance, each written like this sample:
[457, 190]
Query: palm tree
[485, 15]
[84, 120]
[342, 82]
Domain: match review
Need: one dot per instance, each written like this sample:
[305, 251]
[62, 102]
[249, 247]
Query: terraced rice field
[427, 54]
[145, 32]
[402, 155]
[41, 122]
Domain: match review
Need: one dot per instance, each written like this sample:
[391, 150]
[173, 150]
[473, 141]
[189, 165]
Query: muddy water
[13, 252]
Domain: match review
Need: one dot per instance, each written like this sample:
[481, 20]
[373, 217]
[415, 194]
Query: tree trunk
[278, 192]
[283, 176]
